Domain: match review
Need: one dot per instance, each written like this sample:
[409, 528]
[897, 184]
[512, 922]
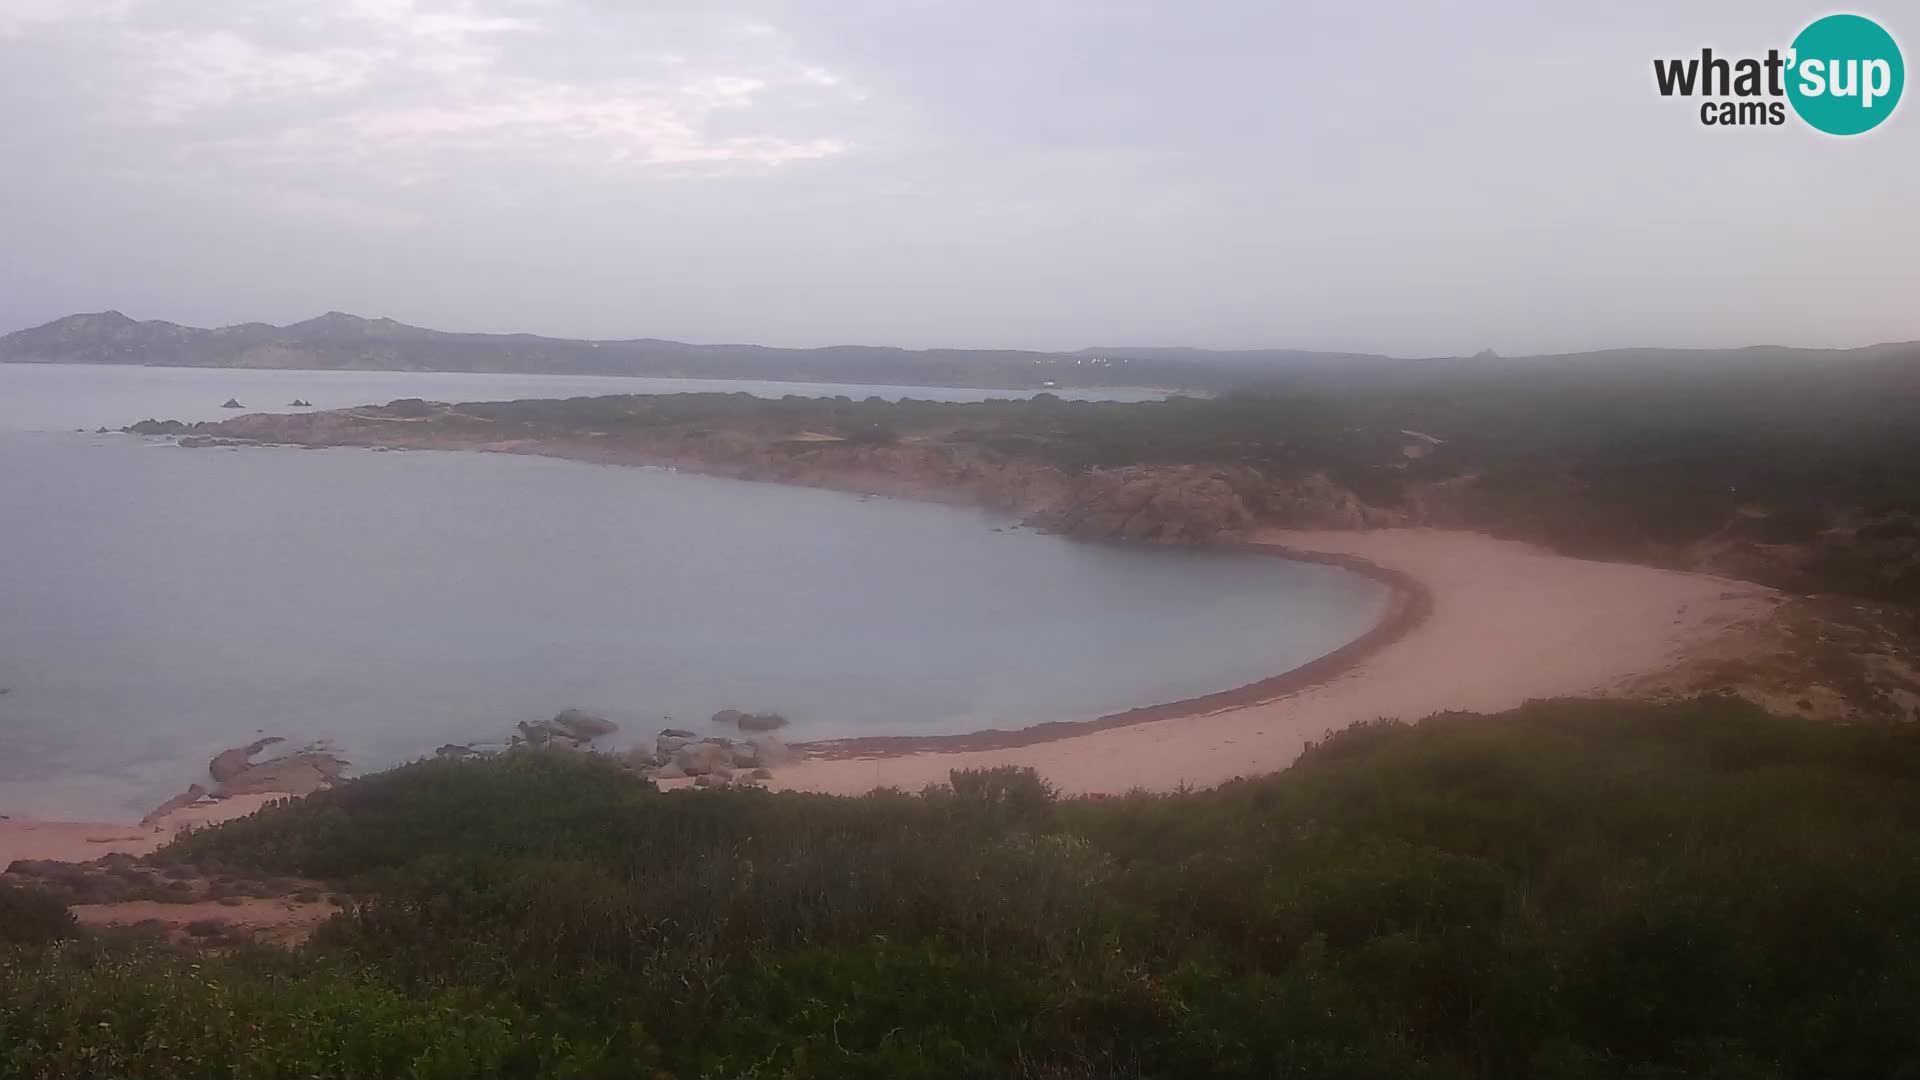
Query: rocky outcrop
[679, 754]
[228, 764]
[193, 794]
[232, 403]
[157, 427]
[570, 729]
[299, 773]
[1185, 504]
[581, 725]
[1313, 501]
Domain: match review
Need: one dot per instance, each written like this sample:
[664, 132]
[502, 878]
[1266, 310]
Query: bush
[30, 916]
[1570, 889]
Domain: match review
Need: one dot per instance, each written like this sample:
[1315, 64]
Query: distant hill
[338, 341]
[348, 342]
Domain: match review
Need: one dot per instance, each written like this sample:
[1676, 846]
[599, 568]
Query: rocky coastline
[1177, 504]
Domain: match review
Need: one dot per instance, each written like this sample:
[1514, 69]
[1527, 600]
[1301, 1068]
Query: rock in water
[765, 721]
[156, 427]
[747, 721]
[582, 725]
[232, 403]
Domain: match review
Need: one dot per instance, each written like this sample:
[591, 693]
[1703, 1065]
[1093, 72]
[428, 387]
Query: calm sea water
[61, 397]
[158, 605]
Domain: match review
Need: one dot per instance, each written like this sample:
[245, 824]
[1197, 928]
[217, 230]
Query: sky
[1403, 177]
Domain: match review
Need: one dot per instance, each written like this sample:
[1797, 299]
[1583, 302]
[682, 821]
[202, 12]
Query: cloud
[190, 74]
[617, 123]
[408, 88]
[19, 17]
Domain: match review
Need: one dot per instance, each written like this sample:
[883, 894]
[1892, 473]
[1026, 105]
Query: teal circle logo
[1846, 74]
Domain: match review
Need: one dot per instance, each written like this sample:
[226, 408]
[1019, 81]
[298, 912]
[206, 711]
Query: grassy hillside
[1567, 890]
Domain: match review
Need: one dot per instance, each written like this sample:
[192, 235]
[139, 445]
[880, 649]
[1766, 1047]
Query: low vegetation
[1567, 890]
[1762, 467]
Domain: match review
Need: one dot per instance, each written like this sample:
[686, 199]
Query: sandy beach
[1499, 623]
[82, 841]
[1507, 623]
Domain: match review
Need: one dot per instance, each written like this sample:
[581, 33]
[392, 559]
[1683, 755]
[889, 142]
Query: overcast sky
[1413, 178]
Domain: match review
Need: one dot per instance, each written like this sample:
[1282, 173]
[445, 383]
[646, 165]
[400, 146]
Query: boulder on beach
[769, 750]
[701, 758]
[232, 403]
[193, 794]
[302, 772]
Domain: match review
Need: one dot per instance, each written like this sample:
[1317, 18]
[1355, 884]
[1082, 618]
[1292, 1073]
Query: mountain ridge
[337, 340]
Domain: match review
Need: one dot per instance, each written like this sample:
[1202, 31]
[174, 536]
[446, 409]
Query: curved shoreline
[1480, 624]
[1409, 604]
[1410, 600]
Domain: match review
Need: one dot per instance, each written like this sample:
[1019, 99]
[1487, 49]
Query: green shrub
[29, 916]
[1571, 889]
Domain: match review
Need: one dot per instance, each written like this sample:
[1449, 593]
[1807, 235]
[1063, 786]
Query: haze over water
[158, 605]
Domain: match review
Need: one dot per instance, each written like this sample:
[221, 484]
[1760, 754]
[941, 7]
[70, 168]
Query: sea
[160, 604]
